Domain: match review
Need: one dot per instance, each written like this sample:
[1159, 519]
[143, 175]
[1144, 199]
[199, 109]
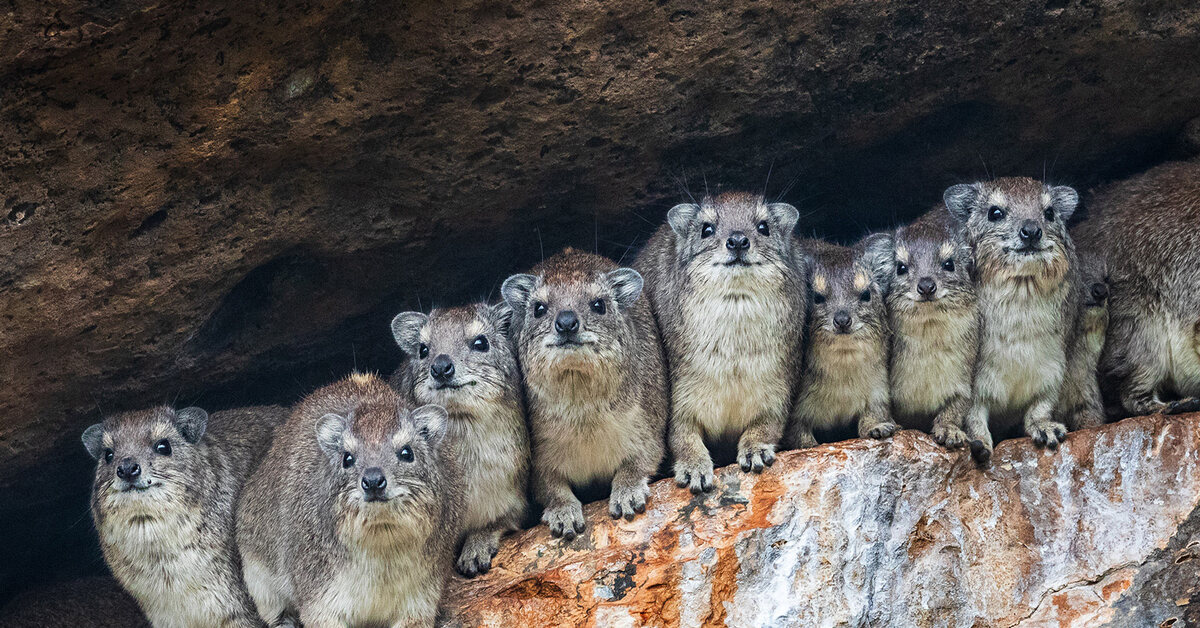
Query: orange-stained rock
[893, 533]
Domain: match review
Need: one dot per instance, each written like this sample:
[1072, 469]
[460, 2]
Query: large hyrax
[163, 501]
[1080, 404]
[352, 518]
[1025, 269]
[595, 381]
[1146, 228]
[844, 380]
[728, 293]
[931, 306]
[461, 359]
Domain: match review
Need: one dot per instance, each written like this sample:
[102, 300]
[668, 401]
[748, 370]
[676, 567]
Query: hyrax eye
[865, 297]
[163, 447]
[347, 460]
[405, 454]
[707, 230]
[764, 228]
[995, 214]
[480, 344]
[539, 309]
[108, 456]
[424, 351]
[1049, 214]
[901, 268]
[598, 306]
[818, 298]
[948, 265]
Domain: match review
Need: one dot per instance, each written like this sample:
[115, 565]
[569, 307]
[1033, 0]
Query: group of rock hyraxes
[983, 318]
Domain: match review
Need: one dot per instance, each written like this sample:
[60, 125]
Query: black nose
[926, 286]
[737, 241]
[841, 319]
[1099, 291]
[442, 368]
[1030, 232]
[566, 322]
[129, 470]
[373, 480]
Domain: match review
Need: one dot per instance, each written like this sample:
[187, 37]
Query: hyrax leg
[563, 512]
[480, 547]
[876, 422]
[693, 464]
[979, 435]
[800, 432]
[756, 447]
[1039, 425]
[630, 490]
[947, 426]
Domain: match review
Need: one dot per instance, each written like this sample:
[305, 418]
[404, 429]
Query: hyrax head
[922, 263]
[1093, 277]
[458, 356]
[148, 453]
[1014, 221]
[846, 297]
[733, 233]
[575, 309]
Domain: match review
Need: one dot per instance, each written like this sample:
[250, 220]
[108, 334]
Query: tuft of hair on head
[879, 255]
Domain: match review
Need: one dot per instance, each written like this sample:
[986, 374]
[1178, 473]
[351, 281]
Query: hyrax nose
[737, 241]
[129, 470]
[1099, 291]
[926, 286]
[566, 322]
[1030, 232]
[442, 368]
[841, 319]
[373, 480]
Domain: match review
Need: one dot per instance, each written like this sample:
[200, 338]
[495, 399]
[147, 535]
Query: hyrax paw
[476, 556]
[804, 440]
[882, 430]
[949, 436]
[981, 452]
[696, 476]
[1182, 406]
[1048, 434]
[628, 501]
[565, 521]
[756, 457]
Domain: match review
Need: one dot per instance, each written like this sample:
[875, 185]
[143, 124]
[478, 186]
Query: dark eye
[948, 265]
[707, 230]
[901, 268]
[163, 447]
[598, 306]
[480, 344]
[995, 214]
[108, 456]
[865, 296]
[1049, 214]
[424, 351]
[405, 454]
[347, 460]
[764, 228]
[539, 309]
[818, 298]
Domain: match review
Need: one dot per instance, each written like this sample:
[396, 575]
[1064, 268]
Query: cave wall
[221, 203]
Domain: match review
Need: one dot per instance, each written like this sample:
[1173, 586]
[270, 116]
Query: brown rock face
[1105, 532]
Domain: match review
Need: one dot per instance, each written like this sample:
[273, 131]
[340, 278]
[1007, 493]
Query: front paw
[565, 521]
[754, 457]
[981, 452]
[804, 439]
[627, 501]
[696, 475]
[1048, 434]
[949, 436]
[476, 556]
[882, 430]
[1182, 406]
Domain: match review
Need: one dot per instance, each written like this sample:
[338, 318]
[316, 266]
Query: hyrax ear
[329, 433]
[191, 423]
[960, 198]
[516, 291]
[93, 440]
[784, 215]
[879, 253]
[627, 286]
[1064, 199]
[681, 216]
[431, 421]
[501, 315]
[406, 330]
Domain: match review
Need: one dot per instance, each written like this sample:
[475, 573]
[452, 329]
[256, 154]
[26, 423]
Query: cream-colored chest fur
[585, 439]
[488, 447]
[932, 363]
[845, 376]
[380, 584]
[733, 365]
[1022, 349]
[1183, 359]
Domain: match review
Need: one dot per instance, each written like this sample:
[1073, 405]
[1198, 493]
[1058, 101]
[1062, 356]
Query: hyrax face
[145, 456]
[1016, 222]
[923, 265]
[382, 460]
[733, 235]
[459, 357]
[846, 298]
[1093, 273]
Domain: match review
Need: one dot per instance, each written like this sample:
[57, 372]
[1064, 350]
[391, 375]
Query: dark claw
[745, 465]
[639, 507]
[1039, 439]
[1182, 406]
[629, 515]
[769, 459]
[616, 514]
[1052, 443]
[980, 453]
[684, 481]
[569, 534]
[484, 568]
[579, 526]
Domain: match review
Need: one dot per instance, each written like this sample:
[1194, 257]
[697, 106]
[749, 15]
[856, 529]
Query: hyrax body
[1025, 281]
[931, 306]
[1080, 404]
[163, 501]
[353, 516]
[462, 360]
[844, 379]
[1145, 227]
[595, 381]
[728, 291]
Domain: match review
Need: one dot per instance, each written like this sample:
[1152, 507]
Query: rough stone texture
[899, 533]
[226, 201]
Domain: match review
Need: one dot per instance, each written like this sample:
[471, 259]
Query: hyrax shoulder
[163, 498]
[727, 289]
[353, 515]
[596, 384]
[461, 359]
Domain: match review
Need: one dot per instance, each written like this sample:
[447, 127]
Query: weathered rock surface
[901, 533]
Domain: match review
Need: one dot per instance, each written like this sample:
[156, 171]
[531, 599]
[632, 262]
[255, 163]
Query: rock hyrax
[595, 381]
[1080, 403]
[163, 501]
[728, 292]
[353, 516]
[461, 359]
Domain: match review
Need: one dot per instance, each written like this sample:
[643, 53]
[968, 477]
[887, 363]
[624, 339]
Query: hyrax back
[595, 380]
[352, 517]
[931, 304]
[844, 377]
[1146, 229]
[163, 501]
[1080, 404]
[1025, 267]
[728, 292]
[461, 359]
